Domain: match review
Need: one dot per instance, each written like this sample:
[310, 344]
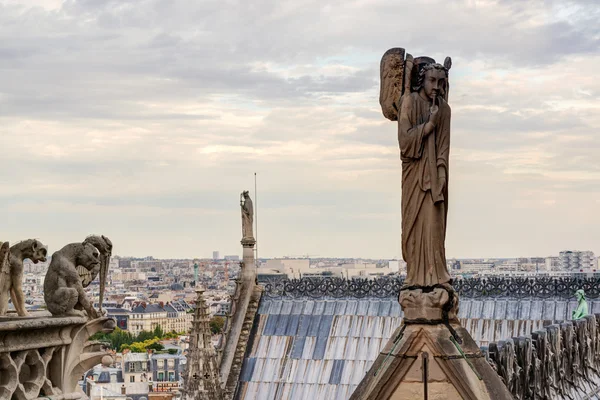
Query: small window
[132, 379]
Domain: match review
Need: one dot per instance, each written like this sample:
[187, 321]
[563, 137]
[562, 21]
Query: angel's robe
[424, 196]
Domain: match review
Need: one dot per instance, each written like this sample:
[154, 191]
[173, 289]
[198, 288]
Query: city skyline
[144, 122]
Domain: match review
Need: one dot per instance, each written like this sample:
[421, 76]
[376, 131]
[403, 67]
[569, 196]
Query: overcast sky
[143, 120]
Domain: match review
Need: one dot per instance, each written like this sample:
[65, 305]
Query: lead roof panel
[323, 347]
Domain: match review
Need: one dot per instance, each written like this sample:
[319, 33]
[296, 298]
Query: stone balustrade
[561, 361]
[539, 287]
[43, 357]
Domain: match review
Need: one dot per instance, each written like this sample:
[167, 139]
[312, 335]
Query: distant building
[138, 376]
[220, 308]
[166, 372]
[135, 367]
[552, 263]
[232, 258]
[394, 265]
[173, 316]
[453, 264]
[150, 266]
[475, 267]
[572, 260]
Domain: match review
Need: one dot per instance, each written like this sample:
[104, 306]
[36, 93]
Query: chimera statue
[104, 246]
[36, 252]
[63, 290]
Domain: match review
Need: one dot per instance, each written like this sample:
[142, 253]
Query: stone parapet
[561, 361]
[44, 357]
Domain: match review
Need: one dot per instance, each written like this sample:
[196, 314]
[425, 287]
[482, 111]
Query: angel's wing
[392, 82]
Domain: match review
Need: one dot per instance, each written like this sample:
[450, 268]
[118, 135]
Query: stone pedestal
[431, 356]
[249, 266]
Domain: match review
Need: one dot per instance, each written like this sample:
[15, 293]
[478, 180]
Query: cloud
[143, 120]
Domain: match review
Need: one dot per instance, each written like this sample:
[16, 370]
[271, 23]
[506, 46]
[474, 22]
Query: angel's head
[432, 80]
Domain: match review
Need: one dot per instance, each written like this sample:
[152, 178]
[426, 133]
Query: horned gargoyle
[104, 246]
[63, 289]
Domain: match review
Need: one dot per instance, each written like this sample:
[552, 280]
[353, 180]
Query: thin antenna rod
[256, 216]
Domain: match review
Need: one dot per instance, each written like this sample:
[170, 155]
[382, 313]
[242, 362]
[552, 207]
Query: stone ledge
[44, 356]
[41, 320]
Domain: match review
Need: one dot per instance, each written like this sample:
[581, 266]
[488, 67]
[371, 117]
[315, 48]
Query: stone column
[248, 272]
[240, 302]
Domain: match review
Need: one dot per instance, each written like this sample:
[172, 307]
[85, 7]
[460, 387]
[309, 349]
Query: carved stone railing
[559, 362]
[537, 287]
[44, 357]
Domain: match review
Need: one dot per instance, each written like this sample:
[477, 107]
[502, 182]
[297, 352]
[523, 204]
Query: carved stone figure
[5, 281]
[247, 215]
[63, 290]
[36, 252]
[582, 307]
[104, 246]
[423, 116]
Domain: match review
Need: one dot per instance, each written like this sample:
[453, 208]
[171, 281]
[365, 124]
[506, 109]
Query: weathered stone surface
[392, 79]
[44, 356]
[423, 116]
[202, 372]
[470, 376]
[243, 345]
[36, 252]
[431, 334]
[5, 281]
[418, 304]
[558, 362]
[247, 215]
[104, 246]
[63, 289]
[244, 306]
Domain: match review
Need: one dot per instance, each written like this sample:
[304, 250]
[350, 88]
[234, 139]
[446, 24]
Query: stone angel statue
[414, 92]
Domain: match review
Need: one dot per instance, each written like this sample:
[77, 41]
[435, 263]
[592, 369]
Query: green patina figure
[582, 307]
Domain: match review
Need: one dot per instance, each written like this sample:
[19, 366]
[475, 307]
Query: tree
[120, 339]
[144, 335]
[158, 332]
[157, 346]
[117, 338]
[216, 324]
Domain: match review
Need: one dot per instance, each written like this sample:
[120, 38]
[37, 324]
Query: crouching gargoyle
[63, 289]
